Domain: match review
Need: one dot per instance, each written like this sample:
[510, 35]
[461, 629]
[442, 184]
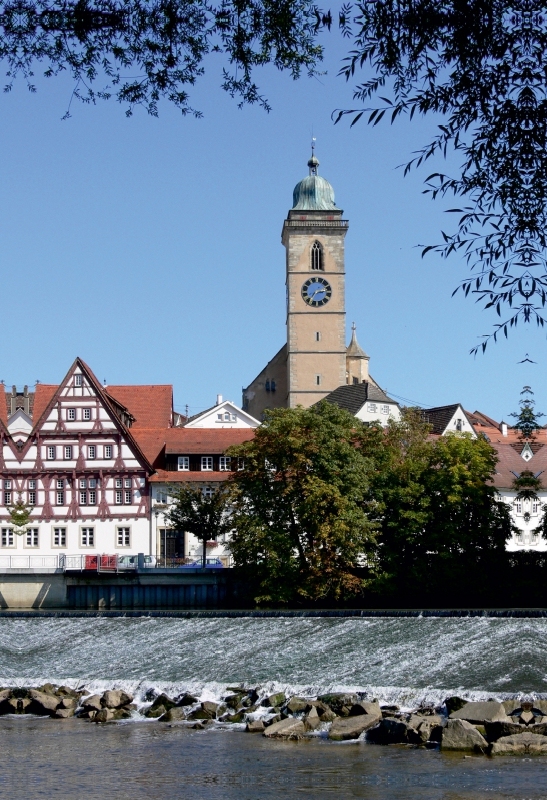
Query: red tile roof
[151, 441]
[151, 406]
[163, 476]
[205, 440]
[42, 396]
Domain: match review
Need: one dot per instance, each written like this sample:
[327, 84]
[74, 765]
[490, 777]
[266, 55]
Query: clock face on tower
[316, 292]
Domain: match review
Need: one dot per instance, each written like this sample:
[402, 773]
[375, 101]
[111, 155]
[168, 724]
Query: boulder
[297, 705]
[116, 698]
[155, 711]
[273, 700]
[390, 731]
[93, 701]
[462, 735]
[186, 699]
[312, 721]
[339, 702]
[419, 729]
[344, 728]
[480, 713]
[66, 691]
[68, 702]
[104, 715]
[47, 688]
[210, 708]
[175, 714]
[454, 704]
[64, 713]
[41, 703]
[122, 713]
[327, 716]
[520, 743]
[362, 707]
[239, 717]
[289, 728]
[5, 696]
[161, 700]
[255, 726]
[510, 706]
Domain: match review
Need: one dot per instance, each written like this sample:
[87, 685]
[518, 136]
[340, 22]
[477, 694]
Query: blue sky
[151, 247]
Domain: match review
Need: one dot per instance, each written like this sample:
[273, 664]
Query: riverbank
[413, 613]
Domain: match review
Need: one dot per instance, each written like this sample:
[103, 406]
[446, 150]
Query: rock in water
[479, 713]
[186, 700]
[344, 728]
[520, 743]
[115, 698]
[296, 705]
[41, 703]
[312, 721]
[175, 714]
[92, 702]
[454, 704]
[340, 703]
[371, 709]
[390, 731]
[104, 715]
[255, 726]
[462, 735]
[290, 728]
[274, 700]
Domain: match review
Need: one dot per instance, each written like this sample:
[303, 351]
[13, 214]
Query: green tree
[19, 516]
[205, 514]
[300, 517]
[441, 521]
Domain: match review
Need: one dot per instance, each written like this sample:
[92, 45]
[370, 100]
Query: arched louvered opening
[317, 256]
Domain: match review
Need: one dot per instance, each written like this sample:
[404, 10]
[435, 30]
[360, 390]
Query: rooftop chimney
[219, 399]
[503, 427]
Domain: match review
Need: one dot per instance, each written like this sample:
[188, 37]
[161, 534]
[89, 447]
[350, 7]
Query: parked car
[131, 562]
[198, 563]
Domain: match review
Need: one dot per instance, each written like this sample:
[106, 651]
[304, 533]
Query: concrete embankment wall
[151, 590]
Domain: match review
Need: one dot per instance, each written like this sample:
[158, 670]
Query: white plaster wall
[526, 540]
[378, 416]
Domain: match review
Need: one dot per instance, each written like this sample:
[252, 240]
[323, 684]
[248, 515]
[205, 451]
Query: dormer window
[317, 257]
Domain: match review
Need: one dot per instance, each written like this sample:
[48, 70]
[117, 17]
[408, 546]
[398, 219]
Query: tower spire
[313, 163]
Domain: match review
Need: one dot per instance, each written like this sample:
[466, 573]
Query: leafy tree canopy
[439, 516]
[204, 514]
[299, 506]
[481, 66]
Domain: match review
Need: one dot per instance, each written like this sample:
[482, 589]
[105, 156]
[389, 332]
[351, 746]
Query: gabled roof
[440, 416]
[105, 399]
[226, 405]
[204, 440]
[353, 397]
[151, 406]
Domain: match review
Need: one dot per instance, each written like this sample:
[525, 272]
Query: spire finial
[313, 163]
[353, 327]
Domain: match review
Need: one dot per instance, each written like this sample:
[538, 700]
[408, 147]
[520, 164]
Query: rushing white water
[407, 661]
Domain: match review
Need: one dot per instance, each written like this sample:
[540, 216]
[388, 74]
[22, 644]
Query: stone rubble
[511, 727]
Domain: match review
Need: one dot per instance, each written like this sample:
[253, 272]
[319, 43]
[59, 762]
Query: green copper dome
[313, 193]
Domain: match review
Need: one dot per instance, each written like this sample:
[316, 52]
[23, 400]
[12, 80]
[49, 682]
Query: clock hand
[321, 289]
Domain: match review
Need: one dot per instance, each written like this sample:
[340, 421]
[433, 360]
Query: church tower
[312, 362]
[313, 235]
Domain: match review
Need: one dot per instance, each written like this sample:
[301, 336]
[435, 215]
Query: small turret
[356, 360]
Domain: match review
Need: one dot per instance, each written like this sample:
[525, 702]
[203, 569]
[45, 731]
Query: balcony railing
[29, 562]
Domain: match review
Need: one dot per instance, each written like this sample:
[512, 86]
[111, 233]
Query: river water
[402, 660]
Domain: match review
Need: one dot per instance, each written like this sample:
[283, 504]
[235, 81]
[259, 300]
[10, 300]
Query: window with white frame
[83, 483]
[71, 413]
[7, 537]
[127, 483]
[384, 409]
[78, 380]
[458, 424]
[91, 451]
[7, 484]
[87, 537]
[118, 483]
[119, 497]
[59, 537]
[225, 463]
[83, 498]
[51, 452]
[93, 482]
[32, 498]
[123, 537]
[31, 537]
[240, 464]
[316, 256]
[518, 506]
[183, 463]
[68, 452]
[60, 498]
[371, 408]
[87, 414]
[92, 497]
[161, 496]
[60, 483]
[32, 484]
[108, 451]
[207, 491]
[206, 463]
[128, 497]
[535, 506]
[7, 498]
